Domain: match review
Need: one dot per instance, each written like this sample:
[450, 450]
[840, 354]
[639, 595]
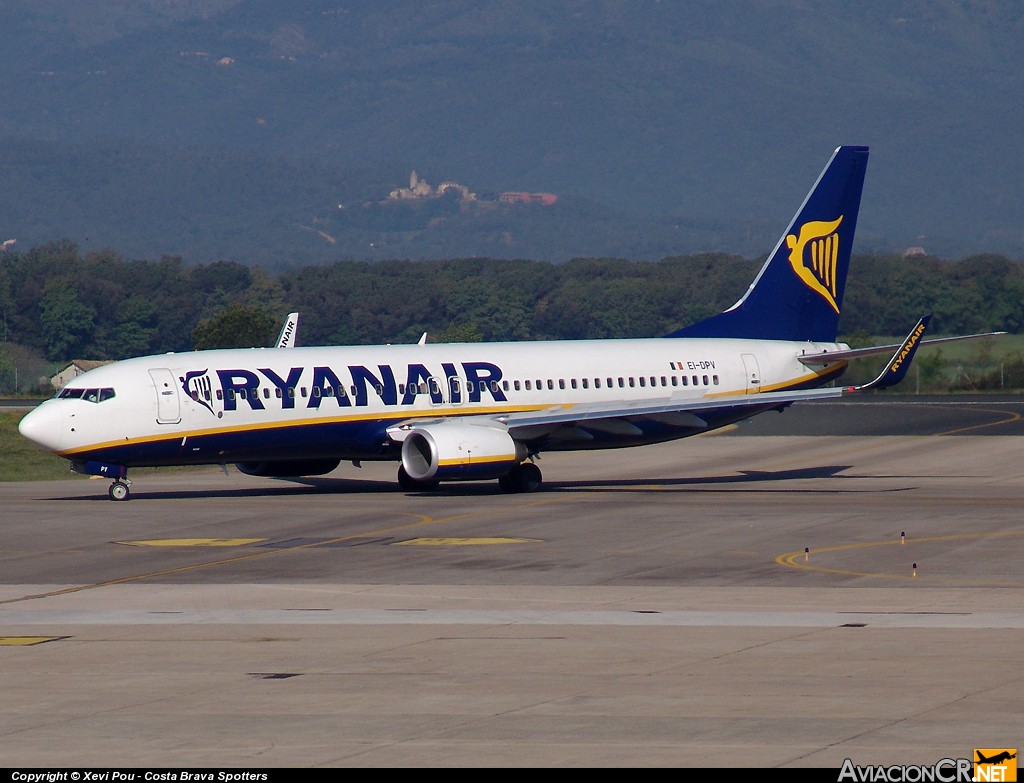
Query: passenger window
[561, 383]
[597, 383]
[291, 391]
[714, 379]
[266, 392]
[632, 382]
[494, 387]
[586, 381]
[220, 394]
[664, 381]
[504, 385]
[316, 392]
[622, 383]
[434, 388]
[528, 385]
[694, 380]
[551, 384]
[675, 381]
[705, 380]
[516, 385]
[643, 381]
[686, 381]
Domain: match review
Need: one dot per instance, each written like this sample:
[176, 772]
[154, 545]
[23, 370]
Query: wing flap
[684, 410]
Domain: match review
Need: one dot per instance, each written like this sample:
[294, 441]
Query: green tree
[237, 326]
[67, 322]
[134, 330]
[457, 333]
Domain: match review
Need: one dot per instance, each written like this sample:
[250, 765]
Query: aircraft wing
[565, 414]
[683, 411]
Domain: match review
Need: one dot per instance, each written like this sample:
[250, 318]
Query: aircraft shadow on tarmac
[347, 486]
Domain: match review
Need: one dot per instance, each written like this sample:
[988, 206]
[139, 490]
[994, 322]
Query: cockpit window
[89, 395]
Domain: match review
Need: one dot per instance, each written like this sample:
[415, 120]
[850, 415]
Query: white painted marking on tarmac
[1002, 620]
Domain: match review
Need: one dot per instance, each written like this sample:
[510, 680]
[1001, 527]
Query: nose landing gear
[119, 489]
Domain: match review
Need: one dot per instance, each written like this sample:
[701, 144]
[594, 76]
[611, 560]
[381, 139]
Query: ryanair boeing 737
[457, 412]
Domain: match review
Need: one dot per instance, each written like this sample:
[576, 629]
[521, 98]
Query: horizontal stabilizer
[854, 353]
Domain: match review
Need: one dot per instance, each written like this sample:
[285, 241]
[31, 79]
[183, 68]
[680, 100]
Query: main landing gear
[119, 489]
[525, 477]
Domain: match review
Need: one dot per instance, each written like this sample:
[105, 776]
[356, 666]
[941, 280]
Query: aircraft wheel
[409, 484]
[522, 478]
[118, 491]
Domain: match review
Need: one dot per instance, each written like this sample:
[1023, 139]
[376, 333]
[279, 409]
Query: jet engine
[288, 468]
[459, 452]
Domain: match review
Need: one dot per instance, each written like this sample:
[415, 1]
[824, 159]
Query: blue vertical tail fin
[798, 293]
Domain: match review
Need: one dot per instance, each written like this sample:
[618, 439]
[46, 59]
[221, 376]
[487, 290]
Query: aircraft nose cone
[44, 426]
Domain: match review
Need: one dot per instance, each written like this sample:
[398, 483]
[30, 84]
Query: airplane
[996, 759]
[485, 411]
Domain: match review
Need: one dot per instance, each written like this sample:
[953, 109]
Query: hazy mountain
[235, 129]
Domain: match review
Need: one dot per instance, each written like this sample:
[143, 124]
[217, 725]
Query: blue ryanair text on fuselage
[477, 379]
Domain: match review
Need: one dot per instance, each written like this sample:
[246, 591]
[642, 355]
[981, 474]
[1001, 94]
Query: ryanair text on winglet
[908, 347]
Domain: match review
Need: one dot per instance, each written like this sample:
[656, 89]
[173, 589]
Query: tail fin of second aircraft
[798, 293]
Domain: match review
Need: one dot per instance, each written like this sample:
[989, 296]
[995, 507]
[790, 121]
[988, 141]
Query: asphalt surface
[761, 597]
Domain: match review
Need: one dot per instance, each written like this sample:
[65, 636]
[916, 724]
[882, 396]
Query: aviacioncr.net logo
[814, 256]
[942, 771]
[995, 765]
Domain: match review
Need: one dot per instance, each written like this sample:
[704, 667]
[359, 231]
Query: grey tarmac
[746, 599]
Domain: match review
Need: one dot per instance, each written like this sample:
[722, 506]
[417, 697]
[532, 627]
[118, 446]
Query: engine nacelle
[287, 468]
[460, 452]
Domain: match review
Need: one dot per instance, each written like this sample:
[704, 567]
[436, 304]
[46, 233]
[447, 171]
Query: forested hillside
[272, 133]
[59, 304]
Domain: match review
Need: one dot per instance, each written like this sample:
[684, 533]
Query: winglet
[287, 337]
[898, 365]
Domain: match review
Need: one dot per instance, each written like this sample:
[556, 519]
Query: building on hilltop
[547, 199]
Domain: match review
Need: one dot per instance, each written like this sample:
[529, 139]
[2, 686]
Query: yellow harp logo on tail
[814, 255]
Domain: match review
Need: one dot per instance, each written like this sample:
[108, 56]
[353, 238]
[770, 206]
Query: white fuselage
[269, 403]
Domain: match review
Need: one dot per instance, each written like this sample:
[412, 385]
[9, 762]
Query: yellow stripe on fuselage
[381, 415]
